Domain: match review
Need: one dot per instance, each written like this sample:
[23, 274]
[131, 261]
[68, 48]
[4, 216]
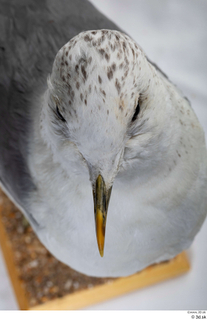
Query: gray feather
[31, 34]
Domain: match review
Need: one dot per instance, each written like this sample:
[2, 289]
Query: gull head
[96, 111]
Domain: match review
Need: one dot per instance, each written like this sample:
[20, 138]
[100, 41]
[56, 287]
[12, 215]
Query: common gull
[105, 131]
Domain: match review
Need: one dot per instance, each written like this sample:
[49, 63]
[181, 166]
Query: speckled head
[98, 75]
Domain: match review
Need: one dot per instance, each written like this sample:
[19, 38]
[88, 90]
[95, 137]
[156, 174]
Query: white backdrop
[173, 33]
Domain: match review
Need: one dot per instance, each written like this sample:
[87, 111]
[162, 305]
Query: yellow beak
[101, 201]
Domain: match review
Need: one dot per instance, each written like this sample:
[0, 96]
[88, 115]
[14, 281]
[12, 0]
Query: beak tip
[101, 252]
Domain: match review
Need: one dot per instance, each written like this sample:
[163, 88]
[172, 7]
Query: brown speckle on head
[72, 94]
[118, 86]
[113, 67]
[107, 57]
[77, 85]
[126, 60]
[69, 88]
[82, 60]
[126, 73]
[85, 101]
[124, 45]
[107, 112]
[103, 36]
[104, 32]
[100, 40]
[94, 43]
[101, 51]
[66, 53]
[81, 97]
[87, 38]
[83, 70]
[94, 32]
[121, 107]
[89, 60]
[69, 102]
[74, 43]
[99, 79]
[103, 92]
[112, 46]
[89, 88]
[66, 63]
[77, 68]
[109, 73]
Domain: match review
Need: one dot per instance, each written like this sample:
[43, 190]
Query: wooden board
[89, 290]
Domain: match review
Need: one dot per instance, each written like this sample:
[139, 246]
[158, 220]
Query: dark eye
[136, 112]
[59, 114]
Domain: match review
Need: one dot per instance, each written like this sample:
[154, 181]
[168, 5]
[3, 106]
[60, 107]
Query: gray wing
[32, 32]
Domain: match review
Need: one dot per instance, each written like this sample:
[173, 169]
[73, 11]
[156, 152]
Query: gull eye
[59, 114]
[136, 112]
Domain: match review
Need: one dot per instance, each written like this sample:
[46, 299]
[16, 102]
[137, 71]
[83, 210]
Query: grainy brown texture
[44, 277]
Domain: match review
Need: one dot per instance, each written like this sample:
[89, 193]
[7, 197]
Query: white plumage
[157, 163]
